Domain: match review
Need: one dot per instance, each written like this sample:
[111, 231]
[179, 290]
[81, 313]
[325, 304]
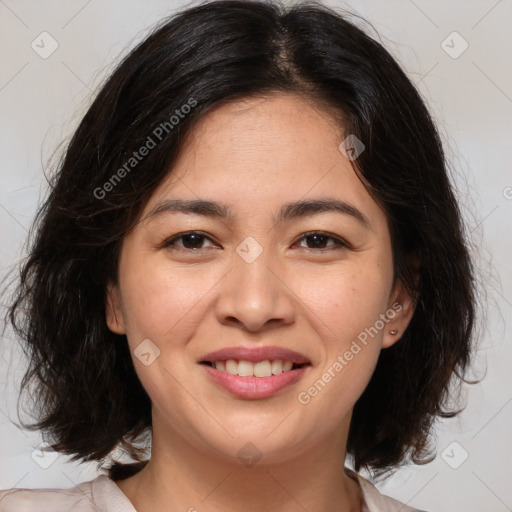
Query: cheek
[347, 300]
[347, 319]
[159, 301]
[348, 307]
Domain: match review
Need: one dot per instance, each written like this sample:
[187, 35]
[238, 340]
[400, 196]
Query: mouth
[260, 369]
[254, 373]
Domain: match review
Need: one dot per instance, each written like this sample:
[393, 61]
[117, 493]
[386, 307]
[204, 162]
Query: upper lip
[255, 354]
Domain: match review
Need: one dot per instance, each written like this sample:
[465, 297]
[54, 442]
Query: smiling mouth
[265, 368]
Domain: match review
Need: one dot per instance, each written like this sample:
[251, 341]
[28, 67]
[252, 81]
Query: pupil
[196, 240]
[318, 240]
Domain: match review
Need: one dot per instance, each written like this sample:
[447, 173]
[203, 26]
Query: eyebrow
[294, 210]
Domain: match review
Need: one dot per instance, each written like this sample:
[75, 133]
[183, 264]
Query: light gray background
[42, 100]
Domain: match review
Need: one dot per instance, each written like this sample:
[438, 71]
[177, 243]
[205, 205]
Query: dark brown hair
[87, 395]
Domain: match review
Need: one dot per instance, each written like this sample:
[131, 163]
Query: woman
[252, 252]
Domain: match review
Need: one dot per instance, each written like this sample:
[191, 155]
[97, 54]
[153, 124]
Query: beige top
[103, 495]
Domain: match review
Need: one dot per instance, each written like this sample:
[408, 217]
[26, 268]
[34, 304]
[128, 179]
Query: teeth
[245, 369]
[231, 366]
[277, 367]
[262, 369]
[265, 368]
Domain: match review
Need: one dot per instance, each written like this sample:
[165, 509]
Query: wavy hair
[87, 396]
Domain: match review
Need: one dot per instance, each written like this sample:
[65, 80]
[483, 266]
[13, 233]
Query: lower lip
[254, 387]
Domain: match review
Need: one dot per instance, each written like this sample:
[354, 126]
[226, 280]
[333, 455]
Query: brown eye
[322, 241]
[192, 240]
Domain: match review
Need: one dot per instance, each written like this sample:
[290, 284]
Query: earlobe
[400, 312]
[113, 312]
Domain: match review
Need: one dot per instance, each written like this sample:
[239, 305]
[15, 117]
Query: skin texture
[255, 156]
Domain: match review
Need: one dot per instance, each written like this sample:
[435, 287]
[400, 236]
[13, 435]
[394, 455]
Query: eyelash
[339, 243]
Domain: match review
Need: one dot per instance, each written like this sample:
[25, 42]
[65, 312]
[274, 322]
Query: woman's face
[261, 279]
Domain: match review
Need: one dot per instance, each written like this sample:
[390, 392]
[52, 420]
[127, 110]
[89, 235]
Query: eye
[315, 240]
[319, 241]
[191, 240]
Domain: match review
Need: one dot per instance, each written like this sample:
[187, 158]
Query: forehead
[261, 152]
[284, 127]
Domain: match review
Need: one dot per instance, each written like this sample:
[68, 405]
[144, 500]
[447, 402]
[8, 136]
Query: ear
[114, 314]
[400, 311]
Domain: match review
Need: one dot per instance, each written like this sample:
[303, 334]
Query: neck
[181, 477]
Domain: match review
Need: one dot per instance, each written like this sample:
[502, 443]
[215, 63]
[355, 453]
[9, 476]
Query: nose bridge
[252, 293]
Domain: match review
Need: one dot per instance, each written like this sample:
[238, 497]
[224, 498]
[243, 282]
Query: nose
[254, 295]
